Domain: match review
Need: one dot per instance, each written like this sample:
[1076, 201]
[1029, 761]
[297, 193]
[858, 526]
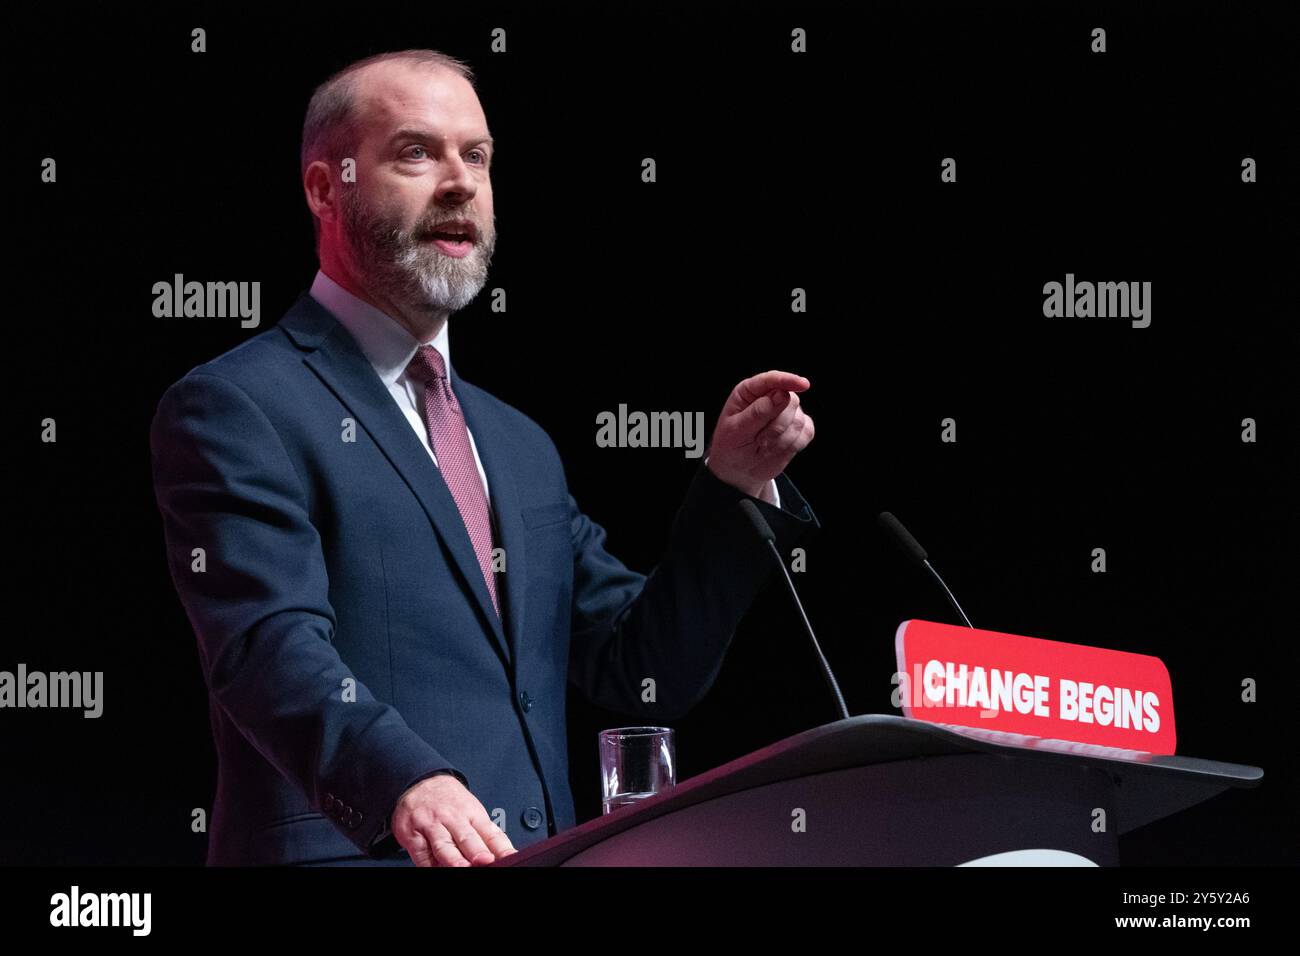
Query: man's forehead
[395, 95]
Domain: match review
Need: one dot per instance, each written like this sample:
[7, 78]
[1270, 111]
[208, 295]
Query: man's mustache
[378, 223]
[428, 231]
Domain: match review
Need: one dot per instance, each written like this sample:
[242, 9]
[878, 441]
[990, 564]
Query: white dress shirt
[390, 348]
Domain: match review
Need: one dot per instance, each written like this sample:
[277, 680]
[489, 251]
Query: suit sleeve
[673, 626]
[260, 609]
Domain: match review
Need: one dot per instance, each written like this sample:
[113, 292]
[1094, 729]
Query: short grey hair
[329, 131]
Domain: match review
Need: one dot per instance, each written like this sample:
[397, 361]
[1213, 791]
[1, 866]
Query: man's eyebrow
[411, 132]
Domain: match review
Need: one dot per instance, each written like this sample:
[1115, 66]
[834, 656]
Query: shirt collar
[385, 341]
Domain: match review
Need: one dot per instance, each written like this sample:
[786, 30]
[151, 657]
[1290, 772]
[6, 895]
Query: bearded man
[390, 584]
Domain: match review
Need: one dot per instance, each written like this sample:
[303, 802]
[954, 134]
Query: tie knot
[427, 364]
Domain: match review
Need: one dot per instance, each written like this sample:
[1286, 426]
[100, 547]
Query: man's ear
[321, 191]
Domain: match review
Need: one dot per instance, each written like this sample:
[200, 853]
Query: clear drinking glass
[635, 763]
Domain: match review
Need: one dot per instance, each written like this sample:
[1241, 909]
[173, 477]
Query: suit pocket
[542, 516]
[285, 821]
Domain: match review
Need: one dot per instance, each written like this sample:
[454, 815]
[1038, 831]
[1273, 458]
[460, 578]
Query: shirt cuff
[771, 495]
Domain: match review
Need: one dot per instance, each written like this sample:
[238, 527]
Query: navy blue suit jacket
[345, 632]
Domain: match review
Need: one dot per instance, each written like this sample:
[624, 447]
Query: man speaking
[389, 582]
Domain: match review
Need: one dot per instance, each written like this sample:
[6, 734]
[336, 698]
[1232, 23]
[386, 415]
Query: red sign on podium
[1025, 685]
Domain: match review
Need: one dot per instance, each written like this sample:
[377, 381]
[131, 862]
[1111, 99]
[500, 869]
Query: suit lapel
[335, 357]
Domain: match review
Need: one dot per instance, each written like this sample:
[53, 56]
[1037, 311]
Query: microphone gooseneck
[912, 549]
[764, 531]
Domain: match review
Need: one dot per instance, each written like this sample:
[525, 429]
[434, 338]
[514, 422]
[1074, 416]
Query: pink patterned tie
[450, 438]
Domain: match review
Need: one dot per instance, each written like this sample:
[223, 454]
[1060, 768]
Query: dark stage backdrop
[776, 171]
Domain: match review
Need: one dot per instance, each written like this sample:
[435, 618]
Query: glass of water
[635, 763]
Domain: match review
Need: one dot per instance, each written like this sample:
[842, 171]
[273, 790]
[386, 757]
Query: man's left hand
[760, 430]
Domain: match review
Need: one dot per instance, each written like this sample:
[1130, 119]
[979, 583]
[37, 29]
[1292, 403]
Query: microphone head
[906, 543]
[761, 527]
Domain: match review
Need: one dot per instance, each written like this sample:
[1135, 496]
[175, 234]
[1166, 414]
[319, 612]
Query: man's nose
[456, 183]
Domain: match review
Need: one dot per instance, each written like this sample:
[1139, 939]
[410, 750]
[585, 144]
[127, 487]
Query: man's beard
[404, 266]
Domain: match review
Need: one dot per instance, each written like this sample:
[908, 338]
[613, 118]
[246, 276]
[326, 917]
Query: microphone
[913, 550]
[764, 531]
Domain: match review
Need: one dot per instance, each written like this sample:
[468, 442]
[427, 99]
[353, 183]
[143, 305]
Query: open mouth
[454, 242]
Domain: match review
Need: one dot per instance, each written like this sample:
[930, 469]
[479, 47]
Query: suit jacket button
[533, 818]
[526, 700]
[354, 818]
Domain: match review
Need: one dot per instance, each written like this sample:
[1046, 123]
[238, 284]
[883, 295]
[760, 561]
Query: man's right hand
[440, 823]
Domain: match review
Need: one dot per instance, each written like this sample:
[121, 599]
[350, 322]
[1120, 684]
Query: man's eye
[482, 155]
[410, 148]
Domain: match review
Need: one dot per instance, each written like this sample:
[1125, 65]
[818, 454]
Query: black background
[775, 171]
